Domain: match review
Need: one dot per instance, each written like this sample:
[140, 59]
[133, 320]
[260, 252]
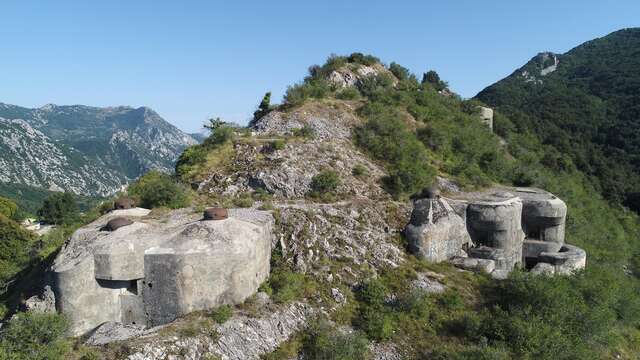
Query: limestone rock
[425, 284]
[240, 338]
[44, 303]
[113, 331]
[543, 269]
[476, 265]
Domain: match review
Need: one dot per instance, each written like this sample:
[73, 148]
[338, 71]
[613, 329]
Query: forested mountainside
[85, 150]
[584, 106]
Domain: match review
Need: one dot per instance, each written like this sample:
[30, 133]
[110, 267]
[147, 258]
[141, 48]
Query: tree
[156, 189]
[7, 207]
[214, 124]
[59, 208]
[263, 108]
[431, 77]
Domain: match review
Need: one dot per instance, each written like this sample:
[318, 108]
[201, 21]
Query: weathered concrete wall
[495, 222]
[435, 231]
[179, 282]
[543, 215]
[154, 270]
[486, 116]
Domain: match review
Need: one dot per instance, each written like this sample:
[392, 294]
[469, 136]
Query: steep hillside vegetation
[86, 150]
[584, 106]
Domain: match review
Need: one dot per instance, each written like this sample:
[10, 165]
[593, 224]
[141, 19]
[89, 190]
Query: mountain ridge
[87, 150]
[587, 108]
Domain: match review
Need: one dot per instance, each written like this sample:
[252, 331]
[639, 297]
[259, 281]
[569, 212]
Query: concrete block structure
[156, 269]
[506, 228]
[439, 233]
[486, 116]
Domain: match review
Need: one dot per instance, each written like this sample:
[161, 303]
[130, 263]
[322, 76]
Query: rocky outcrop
[353, 74]
[153, 270]
[241, 338]
[287, 173]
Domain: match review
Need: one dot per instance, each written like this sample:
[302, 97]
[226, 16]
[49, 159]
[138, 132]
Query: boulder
[44, 303]
[476, 265]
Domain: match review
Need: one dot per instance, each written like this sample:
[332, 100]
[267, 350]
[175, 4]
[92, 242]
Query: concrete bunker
[151, 271]
[507, 228]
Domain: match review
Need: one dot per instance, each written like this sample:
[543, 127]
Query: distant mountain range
[87, 150]
[585, 104]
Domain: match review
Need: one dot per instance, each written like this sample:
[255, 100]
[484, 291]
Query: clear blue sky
[189, 60]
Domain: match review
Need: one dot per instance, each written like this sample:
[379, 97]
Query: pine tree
[263, 108]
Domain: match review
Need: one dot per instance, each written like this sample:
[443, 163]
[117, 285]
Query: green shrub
[59, 208]
[359, 171]
[221, 314]
[8, 208]
[348, 93]
[306, 132]
[326, 181]
[287, 286]
[278, 144]
[310, 88]
[196, 155]
[244, 200]
[399, 71]
[370, 86]
[360, 58]
[191, 157]
[156, 189]
[15, 247]
[386, 138]
[323, 341]
[35, 336]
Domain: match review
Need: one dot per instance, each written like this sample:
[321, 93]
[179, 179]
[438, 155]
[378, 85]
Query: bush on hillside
[59, 208]
[399, 71]
[196, 155]
[310, 88]
[324, 182]
[35, 336]
[388, 139]
[8, 208]
[15, 247]
[155, 189]
[323, 341]
[348, 93]
[306, 132]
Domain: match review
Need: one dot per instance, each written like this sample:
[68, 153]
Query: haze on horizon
[191, 62]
